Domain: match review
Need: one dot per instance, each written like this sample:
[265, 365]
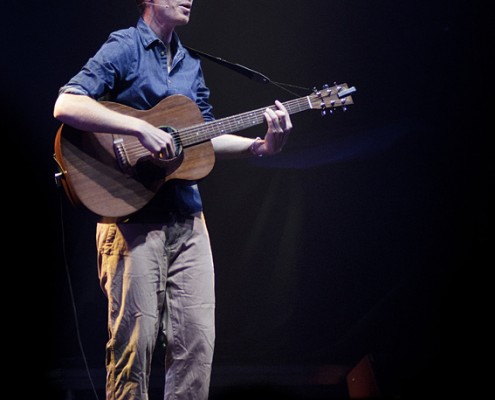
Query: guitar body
[93, 176]
[115, 176]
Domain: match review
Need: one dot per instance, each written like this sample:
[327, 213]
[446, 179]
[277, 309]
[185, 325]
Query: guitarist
[156, 267]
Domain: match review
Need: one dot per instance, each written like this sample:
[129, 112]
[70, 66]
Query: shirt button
[162, 53]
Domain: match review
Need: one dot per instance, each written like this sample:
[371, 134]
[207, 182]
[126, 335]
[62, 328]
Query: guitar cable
[71, 291]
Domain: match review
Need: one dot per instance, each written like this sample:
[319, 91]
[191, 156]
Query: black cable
[72, 298]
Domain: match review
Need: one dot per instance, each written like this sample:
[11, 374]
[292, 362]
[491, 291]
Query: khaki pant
[159, 281]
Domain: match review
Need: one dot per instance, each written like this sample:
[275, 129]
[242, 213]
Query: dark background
[367, 235]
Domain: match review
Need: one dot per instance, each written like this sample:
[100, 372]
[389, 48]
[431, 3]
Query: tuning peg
[327, 89]
[323, 107]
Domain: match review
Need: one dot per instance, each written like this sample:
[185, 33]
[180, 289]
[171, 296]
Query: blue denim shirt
[130, 68]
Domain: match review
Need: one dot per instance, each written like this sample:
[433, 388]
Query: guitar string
[204, 131]
[293, 106]
[191, 135]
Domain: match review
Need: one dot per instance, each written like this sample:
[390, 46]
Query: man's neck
[163, 32]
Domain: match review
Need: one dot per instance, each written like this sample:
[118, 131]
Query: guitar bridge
[121, 157]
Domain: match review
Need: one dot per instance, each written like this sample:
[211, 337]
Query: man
[156, 267]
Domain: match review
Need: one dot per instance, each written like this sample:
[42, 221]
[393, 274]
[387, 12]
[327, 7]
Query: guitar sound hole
[175, 136]
[151, 172]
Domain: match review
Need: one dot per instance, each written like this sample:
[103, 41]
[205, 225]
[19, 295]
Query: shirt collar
[148, 37]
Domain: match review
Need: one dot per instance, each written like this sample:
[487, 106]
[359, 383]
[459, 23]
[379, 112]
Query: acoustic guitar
[115, 176]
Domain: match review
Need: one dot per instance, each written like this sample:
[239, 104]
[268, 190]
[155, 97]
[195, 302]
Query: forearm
[279, 126]
[86, 114]
[232, 146]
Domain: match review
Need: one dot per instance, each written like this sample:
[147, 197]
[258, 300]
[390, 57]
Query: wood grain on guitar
[113, 175]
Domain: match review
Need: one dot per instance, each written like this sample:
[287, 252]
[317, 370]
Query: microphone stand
[247, 72]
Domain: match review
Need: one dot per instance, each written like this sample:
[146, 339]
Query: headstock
[329, 98]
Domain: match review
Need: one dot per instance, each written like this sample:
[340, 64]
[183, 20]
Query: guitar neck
[209, 130]
[325, 100]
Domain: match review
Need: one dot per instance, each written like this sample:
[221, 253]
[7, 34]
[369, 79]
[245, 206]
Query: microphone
[156, 5]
